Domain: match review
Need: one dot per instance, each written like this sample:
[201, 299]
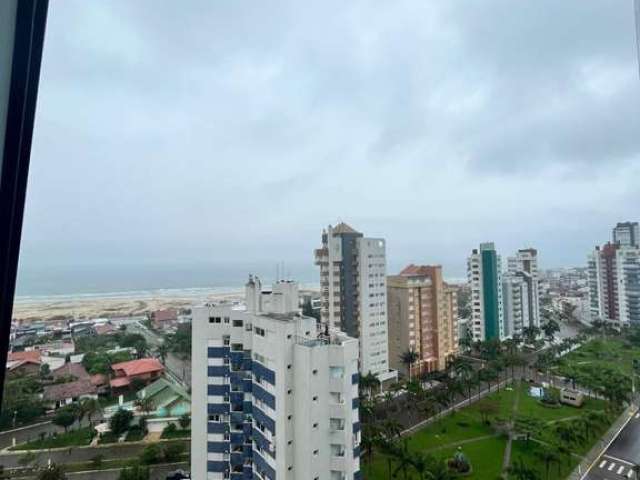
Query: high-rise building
[485, 279]
[522, 279]
[272, 396]
[422, 318]
[614, 284]
[515, 300]
[354, 293]
[627, 234]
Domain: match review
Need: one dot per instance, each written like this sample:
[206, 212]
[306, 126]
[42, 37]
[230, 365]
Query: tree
[135, 472]
[45, 370]
[530, 334]
[120, 421]
[173, 452]
[52, 472]
[184, 421]
[145, 405]
[369, 382]
[521, 471]
[487, 408]
[527, 426]
[162, 351]
[408, 358]
[92, 407]
[151, 454]
[64, 418]
[548, 454]
[550, 328]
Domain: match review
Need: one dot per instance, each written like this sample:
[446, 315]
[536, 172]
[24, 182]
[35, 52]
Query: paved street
[32, 432]
[618, 459]
[76, 454]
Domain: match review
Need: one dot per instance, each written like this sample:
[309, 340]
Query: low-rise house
[144, 369]
[163, 319]
[62, 394]
[76, 371]
[105, 329]
[168, 398]
[57, 347]
[24, 363]
[101, 382]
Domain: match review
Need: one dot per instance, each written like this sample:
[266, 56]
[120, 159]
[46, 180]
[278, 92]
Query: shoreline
[121, 304]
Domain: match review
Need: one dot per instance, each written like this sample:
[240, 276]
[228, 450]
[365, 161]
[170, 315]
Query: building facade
[354, 293]
[423, 317]
[484, 270]
[521, 292]
[614, 283]
[272, 397]
[627, 234]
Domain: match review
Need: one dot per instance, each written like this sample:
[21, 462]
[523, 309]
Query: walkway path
[462, 442]
[506, 459]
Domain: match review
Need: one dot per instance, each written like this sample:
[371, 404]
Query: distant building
[354, 293]
[614, 284]
[145, 369]
[163, 319]
[484, 269]
[273, 397]
[422, 318]
[627, 234]
[521, 292]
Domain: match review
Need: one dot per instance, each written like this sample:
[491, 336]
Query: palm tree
[145, 405]
[162, 351]
[550, 328]
[368, 382]
[548, 454]
[408, 358]
[521, 471]
[92, 407]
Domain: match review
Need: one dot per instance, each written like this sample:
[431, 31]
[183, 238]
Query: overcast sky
[217, 131]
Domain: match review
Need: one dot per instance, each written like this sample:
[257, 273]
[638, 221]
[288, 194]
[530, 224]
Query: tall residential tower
[521, 295]
[273, 397]
[354, 293]
[485, 278]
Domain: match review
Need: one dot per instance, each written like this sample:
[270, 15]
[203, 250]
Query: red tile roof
[30, 356]
[168, 315]
[138, 367]
[104, 329]
[98, 379]
[63, 391]
[412, 269]
[120, 382]
[73, 369]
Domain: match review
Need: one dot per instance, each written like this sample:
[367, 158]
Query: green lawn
[612, 353]
[485, 454]
[72, 438]
[176, 434]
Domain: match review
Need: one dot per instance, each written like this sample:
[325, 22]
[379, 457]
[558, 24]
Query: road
[617, 461]
[10, 438]
[76, 454]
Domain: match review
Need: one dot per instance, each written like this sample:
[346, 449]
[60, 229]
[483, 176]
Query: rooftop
[138, 367]
[62, 391]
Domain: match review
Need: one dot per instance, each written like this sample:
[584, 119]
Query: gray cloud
[234, 131]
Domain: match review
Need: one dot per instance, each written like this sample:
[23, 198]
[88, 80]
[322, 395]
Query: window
[215, 320]
[315, 454]
[238, 323]
[259, 331]
[336, 372]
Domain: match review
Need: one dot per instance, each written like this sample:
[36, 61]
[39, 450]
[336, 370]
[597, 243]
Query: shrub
[120, 421]
[173, 452]
[151, 454]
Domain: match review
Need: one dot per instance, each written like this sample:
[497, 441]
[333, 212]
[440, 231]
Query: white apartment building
[515, 296]
[272, 397]
[525, 266]
[354, 293]
[484, 270]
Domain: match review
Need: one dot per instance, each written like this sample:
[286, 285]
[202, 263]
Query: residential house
[168, 398]
[145, 369]
[61, 394]
[24, 363]
[163, 319]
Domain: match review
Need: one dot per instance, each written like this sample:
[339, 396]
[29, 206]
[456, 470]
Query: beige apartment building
[423, 317]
